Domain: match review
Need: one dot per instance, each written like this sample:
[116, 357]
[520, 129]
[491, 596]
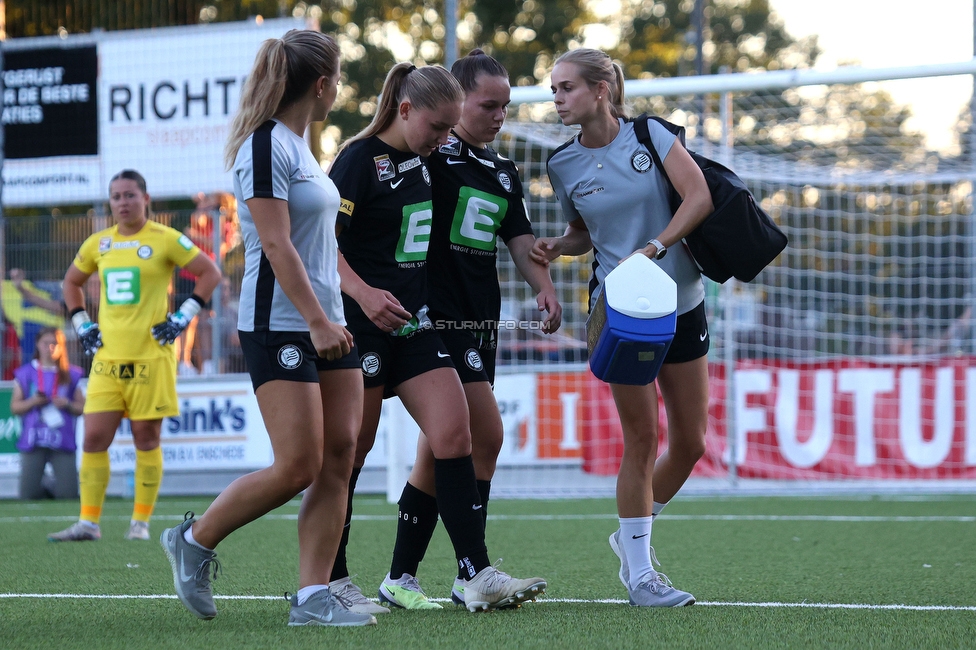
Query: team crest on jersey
[104, 245]
[289, 357]
[640, 161]
[505, 180]
[144, 252]
[408, 165]
[473, 360]
[371, 364]
[384, 167]
[426, 174]
[452, 148]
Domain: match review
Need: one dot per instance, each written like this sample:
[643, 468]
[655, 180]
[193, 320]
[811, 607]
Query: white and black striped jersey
[386, 213]
[275, 163]
[477, 199]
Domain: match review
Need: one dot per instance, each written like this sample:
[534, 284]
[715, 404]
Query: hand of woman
[545, 249]
[548, 303]
[384, 310]
[61, 403]
[40, 399]
[331, 340]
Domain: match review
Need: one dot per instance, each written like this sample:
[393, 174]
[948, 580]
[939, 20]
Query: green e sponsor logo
[415, 232]
[122, 286]
[477, 218]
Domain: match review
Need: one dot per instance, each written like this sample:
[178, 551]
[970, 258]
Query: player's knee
[688, 449]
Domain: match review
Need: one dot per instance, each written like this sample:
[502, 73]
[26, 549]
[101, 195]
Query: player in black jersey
[478, 199]
[385, 216]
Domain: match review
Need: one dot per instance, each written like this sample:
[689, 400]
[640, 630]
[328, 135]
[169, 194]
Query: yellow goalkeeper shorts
[143, 390]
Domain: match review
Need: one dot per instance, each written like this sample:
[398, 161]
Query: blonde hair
[284, 69]
[595, 66]
[427, 88]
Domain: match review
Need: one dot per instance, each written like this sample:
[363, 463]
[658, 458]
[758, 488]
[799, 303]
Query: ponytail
[284, 69]
[427, 88]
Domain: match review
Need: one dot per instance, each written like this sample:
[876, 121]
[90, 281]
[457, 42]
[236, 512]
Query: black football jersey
[477, 198]
[385, 210]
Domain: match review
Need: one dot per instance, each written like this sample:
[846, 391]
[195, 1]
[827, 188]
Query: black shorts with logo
[289, 356]
[391, 360]
[473, 353]
[690, 337]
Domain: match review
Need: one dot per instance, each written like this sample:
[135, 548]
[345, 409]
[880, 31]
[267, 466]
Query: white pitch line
[581, 601]
[572, 517]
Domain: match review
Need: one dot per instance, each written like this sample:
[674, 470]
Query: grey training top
[624, 204]
[275, 163]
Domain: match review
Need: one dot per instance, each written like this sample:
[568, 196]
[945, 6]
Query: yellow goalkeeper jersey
[135, 273]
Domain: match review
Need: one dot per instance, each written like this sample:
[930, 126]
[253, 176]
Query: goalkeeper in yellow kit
[133, 372]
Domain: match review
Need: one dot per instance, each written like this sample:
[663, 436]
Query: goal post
[849, 363]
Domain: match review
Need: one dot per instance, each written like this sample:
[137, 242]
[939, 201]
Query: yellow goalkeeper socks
[93, 482]
[149, 474]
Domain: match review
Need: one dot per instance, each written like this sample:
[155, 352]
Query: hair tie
[411, 69]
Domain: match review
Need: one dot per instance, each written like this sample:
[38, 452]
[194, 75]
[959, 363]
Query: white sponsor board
[166, 98]
[219, 427]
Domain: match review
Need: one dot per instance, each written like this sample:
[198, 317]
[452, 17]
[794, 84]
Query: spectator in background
[48, 398]
[29, 309]
[11, 349]
[201, 232]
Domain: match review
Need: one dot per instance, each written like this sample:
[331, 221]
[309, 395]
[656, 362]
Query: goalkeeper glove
[167, 331]
[88, 333]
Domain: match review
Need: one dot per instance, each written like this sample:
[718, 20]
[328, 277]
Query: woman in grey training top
[616, 207]
[301, 358]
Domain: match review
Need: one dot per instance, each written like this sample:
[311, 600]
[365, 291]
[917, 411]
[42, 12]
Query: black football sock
[460, 506]
[416, 521]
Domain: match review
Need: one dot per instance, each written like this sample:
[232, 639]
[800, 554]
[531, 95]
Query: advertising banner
[161, 103]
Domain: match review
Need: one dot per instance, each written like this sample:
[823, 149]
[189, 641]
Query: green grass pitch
[767, 572]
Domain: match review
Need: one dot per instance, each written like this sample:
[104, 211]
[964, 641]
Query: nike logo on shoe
[395, 185]
[183, 576]
[638, 536]
[319, 617]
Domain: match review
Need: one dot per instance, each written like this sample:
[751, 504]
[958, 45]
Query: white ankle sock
[305, 592]
[657, 508]
[635, 536]
[188, 536]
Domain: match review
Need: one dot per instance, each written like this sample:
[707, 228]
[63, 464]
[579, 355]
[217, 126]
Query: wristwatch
[661, 248]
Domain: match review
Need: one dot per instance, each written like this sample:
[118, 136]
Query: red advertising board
[838, 419]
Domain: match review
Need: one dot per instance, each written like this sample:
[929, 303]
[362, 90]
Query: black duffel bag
[738, 238]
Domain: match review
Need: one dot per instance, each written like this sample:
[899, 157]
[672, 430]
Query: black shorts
[473, 354]
[690, 337]
[289, 356]
[391, 360]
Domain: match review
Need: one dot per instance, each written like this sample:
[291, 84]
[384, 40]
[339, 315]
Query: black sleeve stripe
[261, 161]
[263, 295]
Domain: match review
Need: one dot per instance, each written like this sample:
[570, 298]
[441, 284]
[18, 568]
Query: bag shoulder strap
[643, 134]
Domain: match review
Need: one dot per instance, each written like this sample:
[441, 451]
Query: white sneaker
[351, 597]
[80, 531]
[138, 530]
[655, 590]
[494, 589]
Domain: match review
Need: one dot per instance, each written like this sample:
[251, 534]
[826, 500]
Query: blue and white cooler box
[632, 324]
